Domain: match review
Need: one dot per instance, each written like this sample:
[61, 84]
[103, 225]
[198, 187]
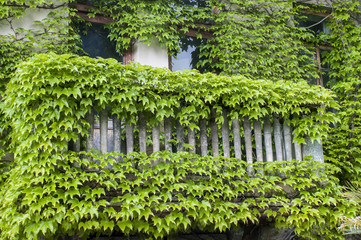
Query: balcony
[177, 151]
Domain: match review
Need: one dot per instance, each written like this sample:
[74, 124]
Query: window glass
[91, 2]
[194, 3]
[318, 24]
[183, 60]
[189, 56]
[97, 44]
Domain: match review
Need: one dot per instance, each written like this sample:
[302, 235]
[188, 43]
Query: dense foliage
[253, 38]
[343, 148]
[53, 191]
[48, 189]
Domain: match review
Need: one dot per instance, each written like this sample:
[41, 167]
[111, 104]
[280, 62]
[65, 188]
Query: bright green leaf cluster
[58, 194]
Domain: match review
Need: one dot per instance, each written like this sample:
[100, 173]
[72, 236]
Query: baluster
[288, 140]
[225, 135]
[142, 126]
[248, 140]
[268, 139]
[237, 138]
[277, 136]
[203, 136]
[129, 138]
[313, 149]
[214, 133]
[104, 131]
[117, 142]
[192, 140]
[258, 140]
[180, 137]
[168, 133]
[298, 151]
[90, 141]
[156, 138]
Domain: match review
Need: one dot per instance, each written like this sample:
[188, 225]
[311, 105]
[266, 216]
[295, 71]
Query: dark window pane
[183, 60]
[317, 24]
[194, 3]
[97, 44]
[90, 2]
[189, 56]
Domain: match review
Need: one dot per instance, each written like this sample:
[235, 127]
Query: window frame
[317, 48]
[84, 9]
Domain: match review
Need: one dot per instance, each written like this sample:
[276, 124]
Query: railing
[207, 114]
[53, 100]
[265, 140]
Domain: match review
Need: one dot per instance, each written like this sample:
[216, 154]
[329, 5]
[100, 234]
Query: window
[97, 44]
[317, 24]
[189, 56]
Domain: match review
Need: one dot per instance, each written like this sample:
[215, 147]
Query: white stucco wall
[152, 55]
[26, 22]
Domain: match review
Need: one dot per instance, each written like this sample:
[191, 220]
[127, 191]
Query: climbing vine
[51, 191]
[258, 39]
[343, 148]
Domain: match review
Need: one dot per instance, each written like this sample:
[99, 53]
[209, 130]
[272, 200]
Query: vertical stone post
[258, 140]
[192, 140]
[180, 137]
[214, 133]
[237, 138]
[313, 149]
[225, 135]
[156, 138]
[278, 137]
[104, 131]
[90, 141]
[268, 139]
[203, 136]
[248, 142]
[117, 142]
[288, 140]
[168, 133]
[142, 126]
[77, 144]
[129, 138]
[298, 151]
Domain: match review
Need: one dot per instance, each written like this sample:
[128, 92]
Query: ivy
[57, 195]
[57, 90]
[52, 191]
[343, 147]
[258, 39]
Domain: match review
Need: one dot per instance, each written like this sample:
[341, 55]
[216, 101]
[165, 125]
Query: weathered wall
[27, 22]
[153, 55]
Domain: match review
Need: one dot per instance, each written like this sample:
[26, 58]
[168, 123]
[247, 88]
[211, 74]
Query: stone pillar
[313, 149]
[104, 131]
[203, 136]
